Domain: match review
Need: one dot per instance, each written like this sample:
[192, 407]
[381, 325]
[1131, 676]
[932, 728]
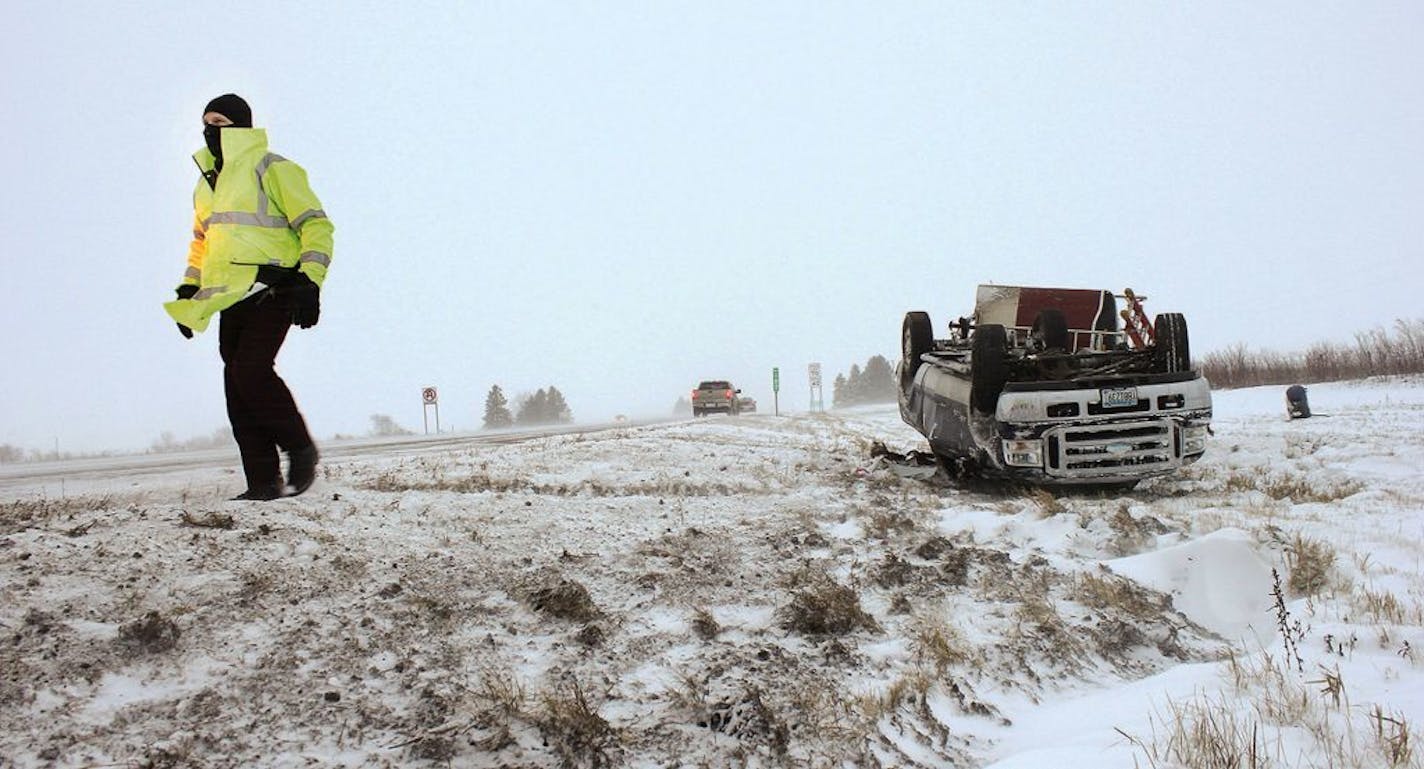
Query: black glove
[185, 291]
[304, 298]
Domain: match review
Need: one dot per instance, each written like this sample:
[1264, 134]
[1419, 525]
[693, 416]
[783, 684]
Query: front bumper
[1090, 443]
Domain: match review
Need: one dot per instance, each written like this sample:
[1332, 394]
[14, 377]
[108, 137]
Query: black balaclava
[232, 107]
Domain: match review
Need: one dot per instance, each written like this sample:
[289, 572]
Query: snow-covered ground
[730, 592]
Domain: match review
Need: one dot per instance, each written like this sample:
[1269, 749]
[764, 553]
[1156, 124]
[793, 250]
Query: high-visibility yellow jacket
[262, 212]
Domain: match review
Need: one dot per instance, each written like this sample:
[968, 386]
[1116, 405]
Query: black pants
[260, 407]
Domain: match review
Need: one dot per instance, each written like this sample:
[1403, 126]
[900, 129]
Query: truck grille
[1088, 450]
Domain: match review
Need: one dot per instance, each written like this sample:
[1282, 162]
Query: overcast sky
[620, 199]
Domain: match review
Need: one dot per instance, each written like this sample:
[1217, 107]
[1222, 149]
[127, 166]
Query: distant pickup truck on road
[715, 396]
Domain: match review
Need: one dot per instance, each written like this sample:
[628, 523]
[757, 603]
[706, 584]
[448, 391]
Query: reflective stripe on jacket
[262, 212]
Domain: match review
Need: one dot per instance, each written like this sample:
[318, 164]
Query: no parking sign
[428, 398]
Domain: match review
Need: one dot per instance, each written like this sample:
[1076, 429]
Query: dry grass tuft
[1119, 595]
[883, 524]
[565, 599]
[1047, 501]
[501, 690]
[1392, 737]
[1310, 562]
[210, 520]
[909, 689]
[482, 481]
[821, 606]
[1133, 535]
[1205, 734]
[704, 624]
[574, 728]
[1267, 703]
[1038, 622]
[1385, 608]
[23, 514]
[1292, 486]
[939, 644]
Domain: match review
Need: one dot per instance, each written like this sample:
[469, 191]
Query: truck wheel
[1050, 328]
[989, 366]
[916, 339]
[1170, 352]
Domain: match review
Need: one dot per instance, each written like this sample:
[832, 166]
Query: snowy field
[730, 592]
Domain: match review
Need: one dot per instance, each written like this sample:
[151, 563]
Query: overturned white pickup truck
[1044, 385]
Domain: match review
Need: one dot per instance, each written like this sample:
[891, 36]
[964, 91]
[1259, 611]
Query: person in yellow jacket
[261, 248]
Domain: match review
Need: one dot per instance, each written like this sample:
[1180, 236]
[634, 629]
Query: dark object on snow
[209, 521]
[1296, 403]
[1297, 407]
[151, 634]
[916, 464]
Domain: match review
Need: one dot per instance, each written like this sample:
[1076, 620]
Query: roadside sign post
[428, 398]
[813, 372]
[775, 391]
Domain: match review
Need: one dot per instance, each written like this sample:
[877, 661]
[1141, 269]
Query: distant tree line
[166, 443]
[873, 384]
[383, 426]
[10, 453]
[1375, 353]
[545, 406]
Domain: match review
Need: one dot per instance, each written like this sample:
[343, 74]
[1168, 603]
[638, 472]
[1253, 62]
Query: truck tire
[916, 339]
[1170, 352]
[988, 366]
[1050, 328]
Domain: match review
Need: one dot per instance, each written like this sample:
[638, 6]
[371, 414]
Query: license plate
[1119, 397]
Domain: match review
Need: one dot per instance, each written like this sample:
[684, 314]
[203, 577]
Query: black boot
[301, 469]
[259, 494]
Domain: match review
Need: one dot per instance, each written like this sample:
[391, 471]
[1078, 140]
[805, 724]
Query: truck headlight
[1023, 453]
[1193, 439]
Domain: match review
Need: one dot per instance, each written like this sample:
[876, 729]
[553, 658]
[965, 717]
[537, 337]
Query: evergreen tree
[497, 410]
[853, 385]
[556, 408]
[873, 384]
[683, 407]
[877, 381]
[532, 409]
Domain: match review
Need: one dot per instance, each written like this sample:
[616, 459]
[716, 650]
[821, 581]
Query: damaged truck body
[1044, 385]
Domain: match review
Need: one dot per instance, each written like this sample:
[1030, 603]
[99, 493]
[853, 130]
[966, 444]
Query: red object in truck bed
[1018, 306]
